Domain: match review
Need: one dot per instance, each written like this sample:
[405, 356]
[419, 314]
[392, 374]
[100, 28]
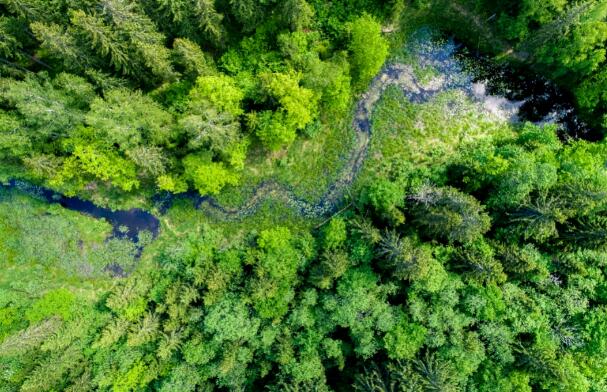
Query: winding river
[449, 73]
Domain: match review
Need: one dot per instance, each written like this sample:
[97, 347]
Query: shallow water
[542, 101]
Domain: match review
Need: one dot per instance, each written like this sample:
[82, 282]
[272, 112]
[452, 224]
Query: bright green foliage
[101, 165]
[270, 127]
[333, 79]
[330, 78]
[368, 49]
[229, 320]
[218, 91]
[58, 302]
[276, 271]
[359, 304]
[297, 109]
[206, 176]
[49, 108]
[297, 103]
[515, 170]
[334, 234]
[581, 52]
[14, 141]
[172, 184]
[595, 332]
[583, 176]
[386, 198]
[211, 119]
[405, 340]
[128, 119]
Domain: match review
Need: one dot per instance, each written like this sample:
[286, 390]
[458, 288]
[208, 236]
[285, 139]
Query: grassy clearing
[51, 259]
[182, 220]
[308, 166]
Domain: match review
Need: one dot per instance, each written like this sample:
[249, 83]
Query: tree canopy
[457, 250]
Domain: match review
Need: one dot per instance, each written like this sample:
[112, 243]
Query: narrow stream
[497, 88]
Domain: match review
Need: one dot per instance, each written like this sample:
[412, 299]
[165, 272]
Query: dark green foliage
[476, 260]
[590, 233]
[446, 213]
[562, 39]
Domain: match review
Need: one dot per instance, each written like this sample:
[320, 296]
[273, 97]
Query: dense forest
[338, 208]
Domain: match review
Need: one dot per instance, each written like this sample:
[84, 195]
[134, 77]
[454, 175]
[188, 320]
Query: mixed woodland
[469, 254]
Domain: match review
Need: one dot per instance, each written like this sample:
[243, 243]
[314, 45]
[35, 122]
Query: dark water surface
[125, 223]
[543, 100]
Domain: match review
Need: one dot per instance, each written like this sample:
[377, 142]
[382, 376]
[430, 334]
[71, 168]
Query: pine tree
[103, 39]
[449, 214]
[62, 45]
[209, 21]
[248, 13]
[538, 220]
[332, 265]
[193, 60]
[30, 9]
[143, 36]
[437, 375]
[589, 233]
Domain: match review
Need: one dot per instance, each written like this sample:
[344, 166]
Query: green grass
[308, 166]
[182, 220]
[44, 249]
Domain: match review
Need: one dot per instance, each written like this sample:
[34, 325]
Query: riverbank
[428, 67]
